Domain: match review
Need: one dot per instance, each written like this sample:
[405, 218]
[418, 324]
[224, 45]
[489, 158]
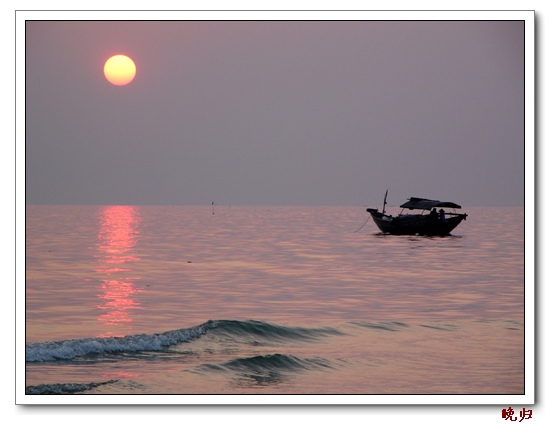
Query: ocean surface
[270, 300]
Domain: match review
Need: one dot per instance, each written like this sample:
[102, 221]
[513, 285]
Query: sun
[119, 70]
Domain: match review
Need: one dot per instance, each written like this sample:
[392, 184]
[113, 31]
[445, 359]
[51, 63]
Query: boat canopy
[427, 204]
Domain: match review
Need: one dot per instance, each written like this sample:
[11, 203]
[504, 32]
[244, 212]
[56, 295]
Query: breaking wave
[71, 349]
[253, 332]
[59, 389]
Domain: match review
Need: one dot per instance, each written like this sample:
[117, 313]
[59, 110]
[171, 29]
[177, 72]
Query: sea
[269, 300]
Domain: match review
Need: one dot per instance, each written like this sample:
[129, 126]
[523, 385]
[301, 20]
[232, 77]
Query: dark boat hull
[416, 224]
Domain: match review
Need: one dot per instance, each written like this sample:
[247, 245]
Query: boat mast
[384, 207]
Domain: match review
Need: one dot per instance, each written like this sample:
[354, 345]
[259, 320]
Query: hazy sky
[276, 112]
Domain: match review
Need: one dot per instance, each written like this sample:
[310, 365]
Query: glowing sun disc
[119, 70]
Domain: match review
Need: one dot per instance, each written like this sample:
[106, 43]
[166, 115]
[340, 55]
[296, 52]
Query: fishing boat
[437, 222]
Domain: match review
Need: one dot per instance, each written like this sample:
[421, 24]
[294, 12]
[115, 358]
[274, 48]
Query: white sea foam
[70, 349]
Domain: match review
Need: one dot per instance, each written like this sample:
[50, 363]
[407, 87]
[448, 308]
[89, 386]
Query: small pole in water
[212, 207]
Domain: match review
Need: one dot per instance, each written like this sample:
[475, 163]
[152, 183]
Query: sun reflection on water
[117, 238]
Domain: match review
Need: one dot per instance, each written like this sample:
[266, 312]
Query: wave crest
[266, 369]
[270, 332]
[59, 389]
[71, 349]
[253, 331]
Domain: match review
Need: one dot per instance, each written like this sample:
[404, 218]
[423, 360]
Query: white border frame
[509, 400]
